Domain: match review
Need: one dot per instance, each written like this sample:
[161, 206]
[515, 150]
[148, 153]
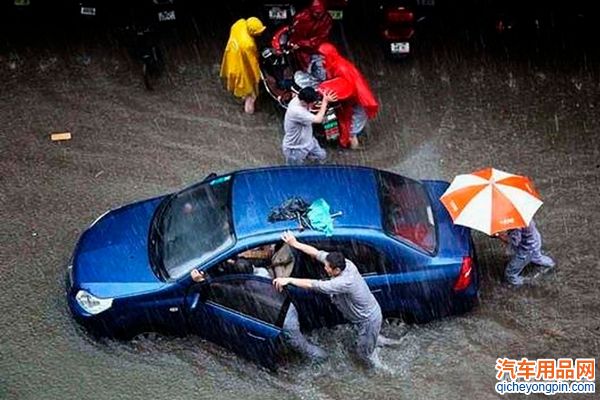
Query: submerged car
[130, 270]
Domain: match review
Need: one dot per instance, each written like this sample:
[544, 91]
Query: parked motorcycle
[150, 21]
[396, 28]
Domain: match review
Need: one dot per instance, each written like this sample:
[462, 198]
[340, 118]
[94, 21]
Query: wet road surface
[452, 109]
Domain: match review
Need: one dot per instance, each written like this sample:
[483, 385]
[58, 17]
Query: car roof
[349, 189]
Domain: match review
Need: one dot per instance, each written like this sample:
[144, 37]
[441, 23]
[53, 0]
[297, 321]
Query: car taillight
[465, 277]
[398, 34]
[398, 15]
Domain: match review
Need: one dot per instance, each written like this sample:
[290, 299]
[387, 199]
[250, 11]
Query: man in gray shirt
[299, 143]
[348, 291]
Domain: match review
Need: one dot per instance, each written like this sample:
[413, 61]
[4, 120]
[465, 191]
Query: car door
[242, 312]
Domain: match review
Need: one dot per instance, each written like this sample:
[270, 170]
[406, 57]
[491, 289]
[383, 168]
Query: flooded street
[455, 107]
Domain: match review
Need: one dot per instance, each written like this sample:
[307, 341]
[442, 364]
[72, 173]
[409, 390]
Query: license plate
[166, 16]
[277, 13]
[400, 47]
[21, 2]
[336, 14]
[88, 10]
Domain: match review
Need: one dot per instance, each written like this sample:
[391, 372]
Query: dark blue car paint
[111, 259]
[252, 338]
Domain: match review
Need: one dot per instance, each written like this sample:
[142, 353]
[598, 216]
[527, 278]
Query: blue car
[130, 271]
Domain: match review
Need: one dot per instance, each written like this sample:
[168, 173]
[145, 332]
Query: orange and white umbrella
[491, 200]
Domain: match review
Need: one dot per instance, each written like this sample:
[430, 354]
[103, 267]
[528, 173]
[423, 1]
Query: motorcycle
[144, 32]
[396, 21]
[397, 28]
[277, 70]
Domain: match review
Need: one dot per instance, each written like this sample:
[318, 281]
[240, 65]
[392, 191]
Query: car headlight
[92, 304]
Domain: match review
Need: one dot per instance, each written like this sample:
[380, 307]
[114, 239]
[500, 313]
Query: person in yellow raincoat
[239, 67]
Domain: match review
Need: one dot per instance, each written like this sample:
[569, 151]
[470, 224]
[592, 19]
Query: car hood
[111, 257]
[453, 240]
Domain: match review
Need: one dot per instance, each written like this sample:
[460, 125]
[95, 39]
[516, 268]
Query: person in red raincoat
[310, 28]
[361, 101]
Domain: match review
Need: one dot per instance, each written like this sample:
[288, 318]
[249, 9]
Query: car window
[256, 298]
[407, 213]
[254, 261]
[195, 226]
[368, 260]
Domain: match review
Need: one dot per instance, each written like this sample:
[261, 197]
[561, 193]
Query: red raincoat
[310, 28]
[337, 66]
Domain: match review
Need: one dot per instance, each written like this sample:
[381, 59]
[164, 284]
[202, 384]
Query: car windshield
[194, 225]
[407, 211]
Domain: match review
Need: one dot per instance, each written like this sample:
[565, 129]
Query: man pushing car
[349, 292]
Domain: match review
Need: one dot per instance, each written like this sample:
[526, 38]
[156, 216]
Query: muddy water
[453, 108]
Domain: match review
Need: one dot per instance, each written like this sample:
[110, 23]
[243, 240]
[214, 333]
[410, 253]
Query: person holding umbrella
[501, 205]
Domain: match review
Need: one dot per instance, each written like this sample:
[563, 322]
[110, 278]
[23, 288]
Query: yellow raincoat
[239, 67]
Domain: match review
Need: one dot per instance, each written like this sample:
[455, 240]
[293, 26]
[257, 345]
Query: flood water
[455, 107]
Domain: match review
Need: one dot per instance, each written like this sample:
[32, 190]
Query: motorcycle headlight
[92, 304]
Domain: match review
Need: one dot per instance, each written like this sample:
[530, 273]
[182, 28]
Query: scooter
[277, 69]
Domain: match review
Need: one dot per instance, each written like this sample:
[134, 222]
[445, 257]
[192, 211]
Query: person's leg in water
[515, 266]
[297, 341]
[544, 261]
[317, 153]
[366, 344]
[295, 156]
[359, 122]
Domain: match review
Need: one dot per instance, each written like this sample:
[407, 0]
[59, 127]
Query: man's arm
[291, 240]
[280, 283]
[333, 286]
[327, 97]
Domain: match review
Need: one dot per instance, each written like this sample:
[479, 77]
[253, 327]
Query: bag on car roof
[293, 208]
